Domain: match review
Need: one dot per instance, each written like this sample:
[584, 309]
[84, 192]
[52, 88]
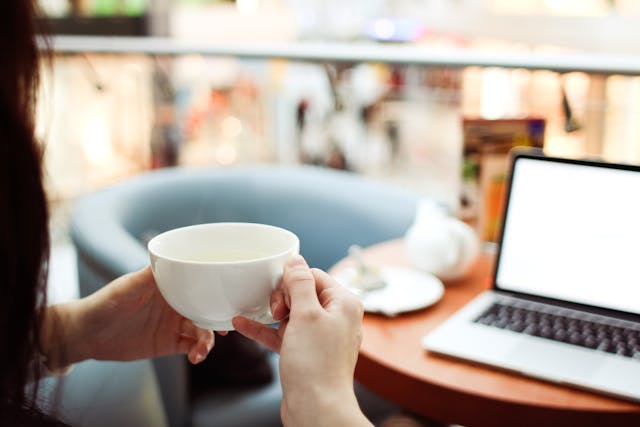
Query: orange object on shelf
[493, 206]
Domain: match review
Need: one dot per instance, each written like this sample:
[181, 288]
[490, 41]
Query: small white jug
[440, 244]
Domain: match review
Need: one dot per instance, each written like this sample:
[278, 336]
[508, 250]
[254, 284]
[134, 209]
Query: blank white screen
[572, 232]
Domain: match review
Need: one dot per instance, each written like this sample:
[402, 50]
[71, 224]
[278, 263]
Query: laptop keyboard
[555, 325]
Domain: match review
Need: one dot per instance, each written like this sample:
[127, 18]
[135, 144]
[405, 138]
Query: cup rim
[294, 247]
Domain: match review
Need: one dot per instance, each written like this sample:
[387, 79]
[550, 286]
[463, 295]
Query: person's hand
[318, 344]
[127, 319]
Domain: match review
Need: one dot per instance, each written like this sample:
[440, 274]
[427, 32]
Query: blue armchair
[329, 210]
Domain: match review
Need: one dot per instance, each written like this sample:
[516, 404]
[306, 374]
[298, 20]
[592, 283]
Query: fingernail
[296, 259]
[199, 357]
[274, 309]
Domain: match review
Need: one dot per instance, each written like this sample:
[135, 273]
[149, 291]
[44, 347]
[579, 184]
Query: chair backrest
[329, 210]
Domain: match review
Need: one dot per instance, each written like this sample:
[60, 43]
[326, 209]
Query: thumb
[299, 286]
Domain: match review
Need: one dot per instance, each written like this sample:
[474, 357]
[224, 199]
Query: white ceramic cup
[211, 273]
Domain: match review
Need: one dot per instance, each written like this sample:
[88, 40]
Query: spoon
[369, 277]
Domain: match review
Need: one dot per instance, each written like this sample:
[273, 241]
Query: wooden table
[393, 364]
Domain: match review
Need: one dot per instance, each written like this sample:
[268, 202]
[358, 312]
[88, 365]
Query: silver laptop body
[565, 302]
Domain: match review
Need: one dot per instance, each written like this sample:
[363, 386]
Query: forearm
[324, 408]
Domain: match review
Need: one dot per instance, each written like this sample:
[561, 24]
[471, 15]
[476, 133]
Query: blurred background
[423, 93]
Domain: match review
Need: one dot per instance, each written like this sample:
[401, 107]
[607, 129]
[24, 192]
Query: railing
[357, 52]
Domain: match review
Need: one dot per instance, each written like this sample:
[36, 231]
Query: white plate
[406, 290]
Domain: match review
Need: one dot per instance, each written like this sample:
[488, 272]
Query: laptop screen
[572, 233]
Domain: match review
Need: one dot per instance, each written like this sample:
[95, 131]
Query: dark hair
[24, 236]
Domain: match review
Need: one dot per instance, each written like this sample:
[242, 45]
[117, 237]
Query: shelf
[356, 52]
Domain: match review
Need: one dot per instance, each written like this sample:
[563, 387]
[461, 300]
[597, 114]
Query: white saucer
[406, 290]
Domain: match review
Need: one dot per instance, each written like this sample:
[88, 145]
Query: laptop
[565, 299]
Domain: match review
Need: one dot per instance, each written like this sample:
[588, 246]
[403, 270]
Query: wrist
[320, 407]
[61, 336]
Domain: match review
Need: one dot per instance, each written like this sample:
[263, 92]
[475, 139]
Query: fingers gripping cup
[210, 273]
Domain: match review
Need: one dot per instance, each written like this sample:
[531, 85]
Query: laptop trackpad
[553, 361]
